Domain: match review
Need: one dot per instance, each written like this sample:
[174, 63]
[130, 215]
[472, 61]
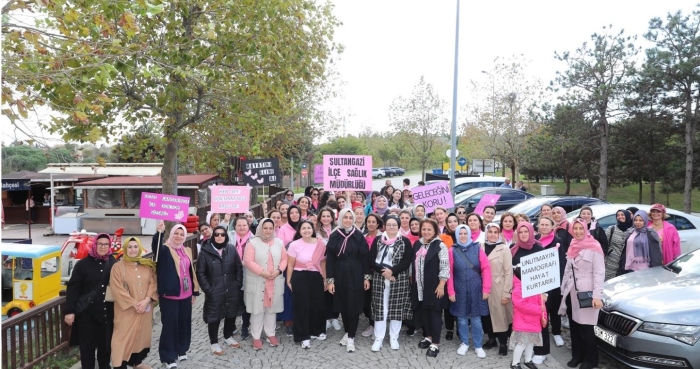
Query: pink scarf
[422, 251]
[93, 250]
[172, 244]
[406, 232]
[585, 243]
[475, 234]
[240, 243]
[546, 240]
[388, 241]
[527, 245]
[345, 239]
[508, 234]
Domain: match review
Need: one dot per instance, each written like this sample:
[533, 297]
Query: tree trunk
[652, 192]
[603, 182]
[689, 136]
[168, 174]
[512, 173]
[640, 190]
[567, 180]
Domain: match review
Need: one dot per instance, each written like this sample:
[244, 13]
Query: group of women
[312, 263]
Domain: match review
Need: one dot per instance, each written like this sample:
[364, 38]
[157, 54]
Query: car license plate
[608, 337]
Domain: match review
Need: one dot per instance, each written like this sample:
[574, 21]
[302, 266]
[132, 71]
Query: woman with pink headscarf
[177, 289]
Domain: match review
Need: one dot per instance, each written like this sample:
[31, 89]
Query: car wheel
[12, 312]
[379, 176]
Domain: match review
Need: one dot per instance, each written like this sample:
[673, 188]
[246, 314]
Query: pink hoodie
[671, 244]
[526, 311]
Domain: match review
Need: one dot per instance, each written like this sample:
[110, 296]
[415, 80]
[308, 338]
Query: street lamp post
[453, 150]
[493, 103]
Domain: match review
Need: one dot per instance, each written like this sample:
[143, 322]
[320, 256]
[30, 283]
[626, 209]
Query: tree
[419, 122]
[675, 60]
[238, 73]
[348, 145]
[596, 78]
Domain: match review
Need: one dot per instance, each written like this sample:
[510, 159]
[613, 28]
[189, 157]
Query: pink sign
[230, 199]
[347, 172]
[433, 195]
[165, 207]
[486, 200]
[318, 173]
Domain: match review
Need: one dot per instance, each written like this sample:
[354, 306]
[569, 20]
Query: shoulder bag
[585, 298]
[464, 257]
[84, 301]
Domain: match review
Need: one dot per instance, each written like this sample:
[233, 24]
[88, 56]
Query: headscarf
[564, 223]
[255, 221]
[588, 242]
[169, 242]
[219, 246]
[93, 250]
[527, 245]
[641, 241]
[623, 226]
[138, 259]
[470, 242]
[486, 237]
[376, 206]
[289, 219]
[409, 226]
[259, 231]
[349, 231]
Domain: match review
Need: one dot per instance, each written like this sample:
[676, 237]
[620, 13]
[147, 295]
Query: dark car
[532, 206]
[399, 171]
[390, 172]
[508, 197]
[651, 318]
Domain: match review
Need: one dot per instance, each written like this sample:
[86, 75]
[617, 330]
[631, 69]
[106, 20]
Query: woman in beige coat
[500, 306]
[264, 259]
[133, 285]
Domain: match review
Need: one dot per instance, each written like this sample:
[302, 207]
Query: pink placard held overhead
[347, 172]
[318, 173]
[164, 207]
[230, 199]
[486, 200]
[433, 195]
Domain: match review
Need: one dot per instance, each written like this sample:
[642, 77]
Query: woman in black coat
[220, 275]
[347, 274]
[87, 312]
[431, 270]
[598, 233]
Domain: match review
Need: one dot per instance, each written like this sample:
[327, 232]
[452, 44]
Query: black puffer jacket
[220, 278]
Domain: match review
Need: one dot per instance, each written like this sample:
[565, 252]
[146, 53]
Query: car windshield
[686, 264]
[526, 205]
[468, 193]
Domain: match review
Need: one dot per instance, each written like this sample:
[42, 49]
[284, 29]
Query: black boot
[503, 351]
[491, 343]
[449, 335]
[574, 363]
[530, 365]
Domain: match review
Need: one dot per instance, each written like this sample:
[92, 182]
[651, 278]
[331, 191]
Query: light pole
[493, 105]
[453, 150]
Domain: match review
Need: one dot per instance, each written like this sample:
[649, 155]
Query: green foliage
[348, 145]
[24, 157]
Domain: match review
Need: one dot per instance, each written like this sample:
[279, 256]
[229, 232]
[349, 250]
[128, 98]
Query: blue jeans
[477, 331]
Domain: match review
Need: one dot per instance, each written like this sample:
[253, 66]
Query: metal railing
[34, 335]
[257, 208]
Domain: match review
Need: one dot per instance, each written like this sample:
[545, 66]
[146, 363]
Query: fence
[257, 209]
[35, 335]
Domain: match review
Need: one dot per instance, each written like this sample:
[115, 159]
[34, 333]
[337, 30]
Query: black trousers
[583, 341]
[213, 328]
[449, 320]
[309, 305]
[367, 310]
[176, 335]
[350, 322]
[135, 359]
[552, 305]
[487, 325]
[87, 356]
[93, 336]
[330, 314]
[431, 321]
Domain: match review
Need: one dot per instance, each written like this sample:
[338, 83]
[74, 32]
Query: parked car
[389, 171]
[688, 226]
[508, 197]
[467, 183]
[378, 173]
[399, 171]
[651, 318]
[532, 206]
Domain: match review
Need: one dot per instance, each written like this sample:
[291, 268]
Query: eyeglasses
[314, 194]
[461, 212]
[290, 194]
[102, 245]
[219, 234]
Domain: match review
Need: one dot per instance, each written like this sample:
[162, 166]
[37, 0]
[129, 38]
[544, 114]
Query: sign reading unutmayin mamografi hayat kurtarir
[347, 172]
[539, 272]
[230, 199]
[163, 206]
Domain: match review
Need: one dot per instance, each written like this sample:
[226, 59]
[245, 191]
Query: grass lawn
[622, 195]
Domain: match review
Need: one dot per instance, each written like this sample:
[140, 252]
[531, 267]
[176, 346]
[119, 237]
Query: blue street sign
[462, 162]
[303, 165]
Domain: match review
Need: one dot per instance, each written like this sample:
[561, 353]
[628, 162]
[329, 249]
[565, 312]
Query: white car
[378, 173]
[688, 226]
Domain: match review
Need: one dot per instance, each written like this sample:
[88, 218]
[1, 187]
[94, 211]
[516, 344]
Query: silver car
[651, 318]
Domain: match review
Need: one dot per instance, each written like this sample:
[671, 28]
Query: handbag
[585, 298]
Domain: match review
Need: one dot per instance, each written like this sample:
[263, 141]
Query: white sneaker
[171, 365]
[216, 349]
[559, 341]
[480, 353]
[538, 359]
[320, 337]
[394, 343]
[376, 345]
[306, 344]
[232, 343]
[182, 357]
[351, 345]
[328, 324]
[344, 340]
[336, 324]
[463, 348]
[368, 332]
[565, 322]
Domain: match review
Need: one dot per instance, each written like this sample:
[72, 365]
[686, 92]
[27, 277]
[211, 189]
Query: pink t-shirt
[303, 253]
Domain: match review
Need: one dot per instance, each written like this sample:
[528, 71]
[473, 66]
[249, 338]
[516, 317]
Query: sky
[390, 44]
